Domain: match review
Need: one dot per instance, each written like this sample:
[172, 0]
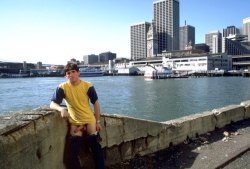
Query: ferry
[90, 72]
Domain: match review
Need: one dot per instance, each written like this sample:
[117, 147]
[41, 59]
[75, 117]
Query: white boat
[157, 72]
[90, 72]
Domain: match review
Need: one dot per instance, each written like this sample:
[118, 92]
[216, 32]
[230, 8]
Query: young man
[77, 94]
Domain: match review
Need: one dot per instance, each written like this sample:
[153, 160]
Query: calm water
[159, 100]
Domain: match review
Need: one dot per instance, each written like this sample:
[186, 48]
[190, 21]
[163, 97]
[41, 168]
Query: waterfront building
[199, 63]
[246, 28]
[106, 56]
[138, 38]
[39, 65]
[74, 61]
[25, 66]
[241, 62]
[214, 41]
[166, 17]
[187, 36]
[15, 67]
[140, 64]
[233, 45]
[182, 53]
[184, 61]
[90, 59]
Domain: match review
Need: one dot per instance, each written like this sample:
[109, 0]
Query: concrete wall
[32, 140]
[36, 139]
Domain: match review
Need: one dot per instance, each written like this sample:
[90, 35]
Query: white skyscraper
[138, 33]
[246, 27]
[214, 41]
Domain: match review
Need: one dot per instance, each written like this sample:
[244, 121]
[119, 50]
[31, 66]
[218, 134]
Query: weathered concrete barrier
[37, 139]
[33, 139]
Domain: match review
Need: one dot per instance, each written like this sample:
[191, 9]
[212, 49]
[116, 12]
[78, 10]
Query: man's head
[69, 67]
[72, 73]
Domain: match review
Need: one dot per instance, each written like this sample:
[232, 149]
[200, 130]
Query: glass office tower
[166, 17]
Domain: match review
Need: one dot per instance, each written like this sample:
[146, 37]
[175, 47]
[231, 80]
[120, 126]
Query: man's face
[72, 76]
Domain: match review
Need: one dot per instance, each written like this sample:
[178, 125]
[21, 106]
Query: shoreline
[195, 74]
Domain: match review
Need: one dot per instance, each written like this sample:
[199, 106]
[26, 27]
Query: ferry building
[199, 63]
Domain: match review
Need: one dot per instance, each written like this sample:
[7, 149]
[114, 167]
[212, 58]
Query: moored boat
[90, 72]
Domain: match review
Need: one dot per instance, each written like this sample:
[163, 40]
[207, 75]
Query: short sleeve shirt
[77, 98]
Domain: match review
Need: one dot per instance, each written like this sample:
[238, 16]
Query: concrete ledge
[228, 114]
[246, 104]
[36, 139]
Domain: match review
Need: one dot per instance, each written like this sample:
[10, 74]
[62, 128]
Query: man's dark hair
[70, 66]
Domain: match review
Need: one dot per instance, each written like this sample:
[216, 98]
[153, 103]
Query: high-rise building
[230, 30]
[90, 59]
[138, 37]
[39, 65]
[166, 17]
[106, 56]
[246, 27]
[187, 36]
[214, 41]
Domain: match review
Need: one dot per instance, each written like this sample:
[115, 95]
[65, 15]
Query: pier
[37, 138]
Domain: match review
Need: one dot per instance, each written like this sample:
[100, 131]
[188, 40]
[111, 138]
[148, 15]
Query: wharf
[216, 74]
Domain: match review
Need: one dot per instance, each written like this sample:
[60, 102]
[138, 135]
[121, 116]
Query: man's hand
[64, 113]
[98, 126]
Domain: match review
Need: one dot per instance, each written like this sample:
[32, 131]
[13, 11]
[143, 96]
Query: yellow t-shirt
[77, 102]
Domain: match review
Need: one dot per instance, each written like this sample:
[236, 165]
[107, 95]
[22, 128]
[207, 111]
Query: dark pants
[75, 145]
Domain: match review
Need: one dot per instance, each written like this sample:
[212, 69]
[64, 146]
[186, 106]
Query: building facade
[205, 62]
[166, 17]
[241, 62]
[214, 41]
[106, 56]
[246, 28]
[187, 36]
[90, 59]
[232, 45]
[138, 40]
[230, 30]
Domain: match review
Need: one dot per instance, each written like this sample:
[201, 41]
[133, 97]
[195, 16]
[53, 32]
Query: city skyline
[56, 31]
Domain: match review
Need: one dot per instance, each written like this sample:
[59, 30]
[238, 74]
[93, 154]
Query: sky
[55, 31]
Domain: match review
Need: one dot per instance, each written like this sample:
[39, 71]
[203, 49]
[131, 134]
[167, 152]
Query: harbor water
[158, 100]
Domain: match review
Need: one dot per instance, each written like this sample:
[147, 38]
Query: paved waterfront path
[217, 149]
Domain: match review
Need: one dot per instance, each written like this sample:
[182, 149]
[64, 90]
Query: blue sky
[54, 31]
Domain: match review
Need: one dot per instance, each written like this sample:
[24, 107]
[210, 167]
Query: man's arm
[97, 115]
[62, 110]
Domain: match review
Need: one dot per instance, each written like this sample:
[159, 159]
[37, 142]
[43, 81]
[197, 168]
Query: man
[77, 94]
